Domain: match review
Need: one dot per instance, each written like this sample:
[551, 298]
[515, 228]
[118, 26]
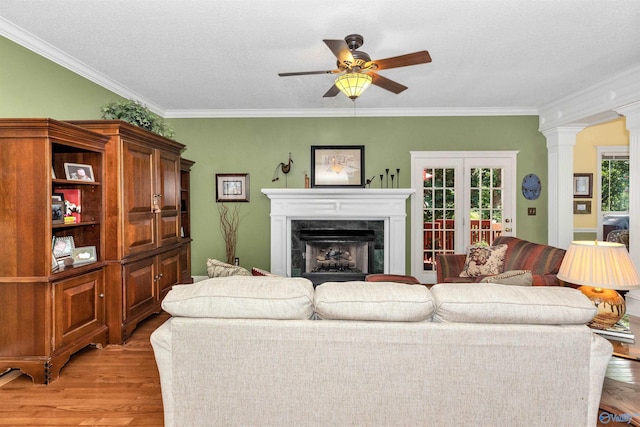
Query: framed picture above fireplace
[337, 166]
[232, 187]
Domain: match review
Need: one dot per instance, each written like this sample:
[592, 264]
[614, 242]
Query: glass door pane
[485, 205]
[438, 214]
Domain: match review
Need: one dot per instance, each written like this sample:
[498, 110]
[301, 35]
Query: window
[614, 169]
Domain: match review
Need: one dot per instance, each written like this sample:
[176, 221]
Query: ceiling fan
[357, 69]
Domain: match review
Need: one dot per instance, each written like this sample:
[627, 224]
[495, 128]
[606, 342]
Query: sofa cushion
[484, 260]
[253, 297]
[496, 303]
[217, 268]
[383, 301]
[511, 277]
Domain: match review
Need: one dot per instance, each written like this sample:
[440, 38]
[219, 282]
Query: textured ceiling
[211, 58]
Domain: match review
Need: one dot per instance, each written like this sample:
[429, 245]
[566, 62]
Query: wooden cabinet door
[185, 263]
[78, 307]
[139, 287]
[169, 271]
[168, 198]
[138, 180]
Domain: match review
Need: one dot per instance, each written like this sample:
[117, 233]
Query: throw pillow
[511, 277]
[382, 301]
[217, 268]
[484, 261]
[241, 297]
[255, 271]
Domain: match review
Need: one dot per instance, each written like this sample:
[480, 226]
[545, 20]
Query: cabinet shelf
[72, 182]
[75, 224]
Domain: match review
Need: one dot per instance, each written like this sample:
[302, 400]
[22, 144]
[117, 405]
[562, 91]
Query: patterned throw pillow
[511, 277]
[484, 261]
[217, 268]
[255, 271]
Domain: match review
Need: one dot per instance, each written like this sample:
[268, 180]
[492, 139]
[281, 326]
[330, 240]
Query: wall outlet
[531, 211]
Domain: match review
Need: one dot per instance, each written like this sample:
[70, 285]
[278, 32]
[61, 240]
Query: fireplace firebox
[337, 251]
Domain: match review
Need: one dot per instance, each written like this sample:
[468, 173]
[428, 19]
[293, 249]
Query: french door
[462, 198]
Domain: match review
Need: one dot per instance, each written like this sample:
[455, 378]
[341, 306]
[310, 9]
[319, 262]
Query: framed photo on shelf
[232, 187]
[78, 172]
[581, 207]
[84, 255]
[57, 211]
[583, 185]
[63, 246]
[337, 166]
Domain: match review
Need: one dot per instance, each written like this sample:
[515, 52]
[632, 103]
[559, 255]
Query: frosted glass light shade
[353, 84]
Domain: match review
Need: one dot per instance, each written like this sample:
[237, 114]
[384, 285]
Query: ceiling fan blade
[415, 58]
[304, 73]
[333, 91]
[341, 50]
[387, 84]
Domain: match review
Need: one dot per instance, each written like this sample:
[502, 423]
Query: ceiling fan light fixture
[353, 84]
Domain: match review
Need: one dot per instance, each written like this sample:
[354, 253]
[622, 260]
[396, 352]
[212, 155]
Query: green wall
[31, 86]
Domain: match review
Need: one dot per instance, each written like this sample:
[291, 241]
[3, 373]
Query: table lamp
[600, 268]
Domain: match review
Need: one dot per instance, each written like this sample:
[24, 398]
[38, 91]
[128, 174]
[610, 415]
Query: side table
[620, 401]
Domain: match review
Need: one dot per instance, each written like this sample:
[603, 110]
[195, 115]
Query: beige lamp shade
[353, 84]
[601, 268]
[599, 264]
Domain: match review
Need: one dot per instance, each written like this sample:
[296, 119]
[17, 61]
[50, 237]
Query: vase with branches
[229, 222]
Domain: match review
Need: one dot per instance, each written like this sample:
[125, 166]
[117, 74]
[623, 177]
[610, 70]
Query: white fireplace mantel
[388, 205]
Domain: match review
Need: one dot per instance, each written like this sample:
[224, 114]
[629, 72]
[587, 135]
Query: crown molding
[594, 104]
[46, 50]
[350, 112]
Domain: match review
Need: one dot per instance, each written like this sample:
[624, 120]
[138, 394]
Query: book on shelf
[618, 332]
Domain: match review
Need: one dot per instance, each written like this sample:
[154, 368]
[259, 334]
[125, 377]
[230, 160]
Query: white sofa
[270, 351]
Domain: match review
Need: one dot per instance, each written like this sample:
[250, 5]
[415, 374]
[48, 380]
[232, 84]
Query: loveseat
[271, 351]
[542, 261]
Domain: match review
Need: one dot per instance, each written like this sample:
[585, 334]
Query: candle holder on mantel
[394, 177]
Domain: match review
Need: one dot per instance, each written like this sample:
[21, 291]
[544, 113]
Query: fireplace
[331, 209]
[336, 250]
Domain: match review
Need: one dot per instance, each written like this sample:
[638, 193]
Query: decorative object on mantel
[394, 177]
[601, 268]
[334, 166]
[284, 167]
[137, 114]
[229, 222]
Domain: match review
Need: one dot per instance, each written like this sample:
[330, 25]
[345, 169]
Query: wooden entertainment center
[133, 215]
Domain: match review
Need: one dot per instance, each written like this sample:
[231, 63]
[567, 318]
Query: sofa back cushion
[243, 297]
[496, 303]
[525, 255]
[382, 301]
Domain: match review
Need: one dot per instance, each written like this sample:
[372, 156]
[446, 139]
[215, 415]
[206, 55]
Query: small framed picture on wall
[583, 185]
[232, 187]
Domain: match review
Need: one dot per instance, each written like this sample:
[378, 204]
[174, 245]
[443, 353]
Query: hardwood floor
[621, 392]
[116, 386]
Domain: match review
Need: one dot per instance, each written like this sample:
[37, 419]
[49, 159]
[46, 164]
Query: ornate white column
[632, 114]
[560, 143]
